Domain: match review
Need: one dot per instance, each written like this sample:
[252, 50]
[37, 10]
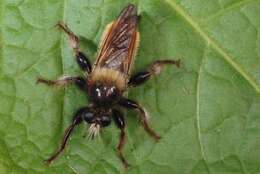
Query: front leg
[78, 118]
[130, 104]
[81, 58]
[64, 81]
[120, 123]
[155, 69]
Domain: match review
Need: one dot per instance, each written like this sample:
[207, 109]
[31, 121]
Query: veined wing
[119, 42]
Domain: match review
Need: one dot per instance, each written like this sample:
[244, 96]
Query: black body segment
[139, 78]
[83, 62]
[86, 113]
[104, 95]
[95, 116]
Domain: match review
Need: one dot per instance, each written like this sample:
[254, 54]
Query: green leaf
[207, 111]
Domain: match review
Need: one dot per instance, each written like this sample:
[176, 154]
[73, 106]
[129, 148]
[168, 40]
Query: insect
[108, 78]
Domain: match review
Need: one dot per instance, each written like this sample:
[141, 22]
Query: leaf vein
[198, 106]
[221, 12]
[1, 35]
[214, 45]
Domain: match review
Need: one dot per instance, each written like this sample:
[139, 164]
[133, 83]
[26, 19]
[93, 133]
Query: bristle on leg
[93, 130]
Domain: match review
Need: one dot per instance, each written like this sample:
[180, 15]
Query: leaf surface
[207, 111]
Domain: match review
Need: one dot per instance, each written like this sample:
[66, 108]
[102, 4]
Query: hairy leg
[155, 69]
[64, 81]
[130, 104]
[81, 58]
[76, 121]
[120, 123]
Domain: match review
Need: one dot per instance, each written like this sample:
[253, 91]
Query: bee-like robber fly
[108, 78]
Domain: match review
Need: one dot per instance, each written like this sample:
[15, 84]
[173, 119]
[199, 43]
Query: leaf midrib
[227, 9]
[1, 36]
[64, 7]
[221, 51]
[214, 44]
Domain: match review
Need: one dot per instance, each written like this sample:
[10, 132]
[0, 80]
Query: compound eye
[105, 120]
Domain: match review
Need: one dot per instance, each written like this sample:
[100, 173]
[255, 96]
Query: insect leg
[155, 69]
[120, 123]
[64, 81]
[76, 121]
[82, 59]
[130, 104]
